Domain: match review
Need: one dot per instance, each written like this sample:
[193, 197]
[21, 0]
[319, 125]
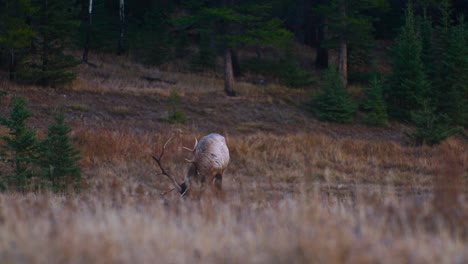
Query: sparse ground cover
[297, 190]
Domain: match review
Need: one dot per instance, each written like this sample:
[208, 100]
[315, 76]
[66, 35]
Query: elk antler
[194, 146]
[163, 171]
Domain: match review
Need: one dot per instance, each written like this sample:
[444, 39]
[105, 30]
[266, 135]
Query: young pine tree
[430, 127]
[175, 115]
[408, 83]
[20, 148]
[375, 103]
[334, 102]
[59, 159]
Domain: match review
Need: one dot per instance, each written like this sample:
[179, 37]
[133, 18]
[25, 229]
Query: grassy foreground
[297, 190]
[283, 207]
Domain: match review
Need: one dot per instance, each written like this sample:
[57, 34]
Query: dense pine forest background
[412, 55]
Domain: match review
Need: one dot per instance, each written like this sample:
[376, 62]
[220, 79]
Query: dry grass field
[297, 190]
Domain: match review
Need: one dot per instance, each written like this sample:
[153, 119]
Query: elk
[209, 161]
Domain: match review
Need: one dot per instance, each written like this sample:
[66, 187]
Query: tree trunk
[88, 32]
[343, 61]
[343, 48]
[235, 63]
[12, 66]
[228, 73]
[122, 41]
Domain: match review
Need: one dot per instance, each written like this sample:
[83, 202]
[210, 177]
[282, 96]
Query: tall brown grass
[305, 228]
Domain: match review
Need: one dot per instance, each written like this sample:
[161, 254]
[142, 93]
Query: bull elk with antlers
[209, 161]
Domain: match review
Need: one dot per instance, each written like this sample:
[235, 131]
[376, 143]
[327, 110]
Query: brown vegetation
[297, 190]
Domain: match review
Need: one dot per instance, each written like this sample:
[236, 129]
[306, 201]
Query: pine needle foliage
[430, 127]
[175, 115]
[375, 103]
[408, 83]
[334, 103]
[59, 158]
[53, 24]
[20, 145]
[454, 92]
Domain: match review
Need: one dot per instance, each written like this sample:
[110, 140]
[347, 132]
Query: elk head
[209, 161]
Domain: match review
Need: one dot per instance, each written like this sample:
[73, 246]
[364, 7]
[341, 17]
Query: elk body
[210, 157]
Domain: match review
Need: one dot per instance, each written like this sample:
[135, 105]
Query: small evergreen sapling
[20, 148]
[59, 159]
[431, 128]
[334, 102]
[175, 114]
[375, 103]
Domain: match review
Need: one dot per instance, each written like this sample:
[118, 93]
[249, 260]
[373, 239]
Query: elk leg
[218, 180]
[218, 188]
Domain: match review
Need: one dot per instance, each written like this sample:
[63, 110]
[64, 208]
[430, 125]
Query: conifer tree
[59, 158]
[375, 103]
[349, 28]
[430, 127]
[427, 49]
[408, 83]
[453, 99]
[449, 65]
[54, 22]
[228, 25]
[334, 102]
[15, 33]
[20, 145]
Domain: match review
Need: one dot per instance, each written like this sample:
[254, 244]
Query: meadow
[297, 190]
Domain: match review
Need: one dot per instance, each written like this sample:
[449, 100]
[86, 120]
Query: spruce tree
[430, 127]
[175, 114]
[59, 158]
[20, 145]
[440, 57]
[334, 102]
[427, 49]
[375, 103]
[15, 32]
[348, 27]
[449, 64]
[54, 24]
[228, 25]
[408, 83]
[453, 98]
